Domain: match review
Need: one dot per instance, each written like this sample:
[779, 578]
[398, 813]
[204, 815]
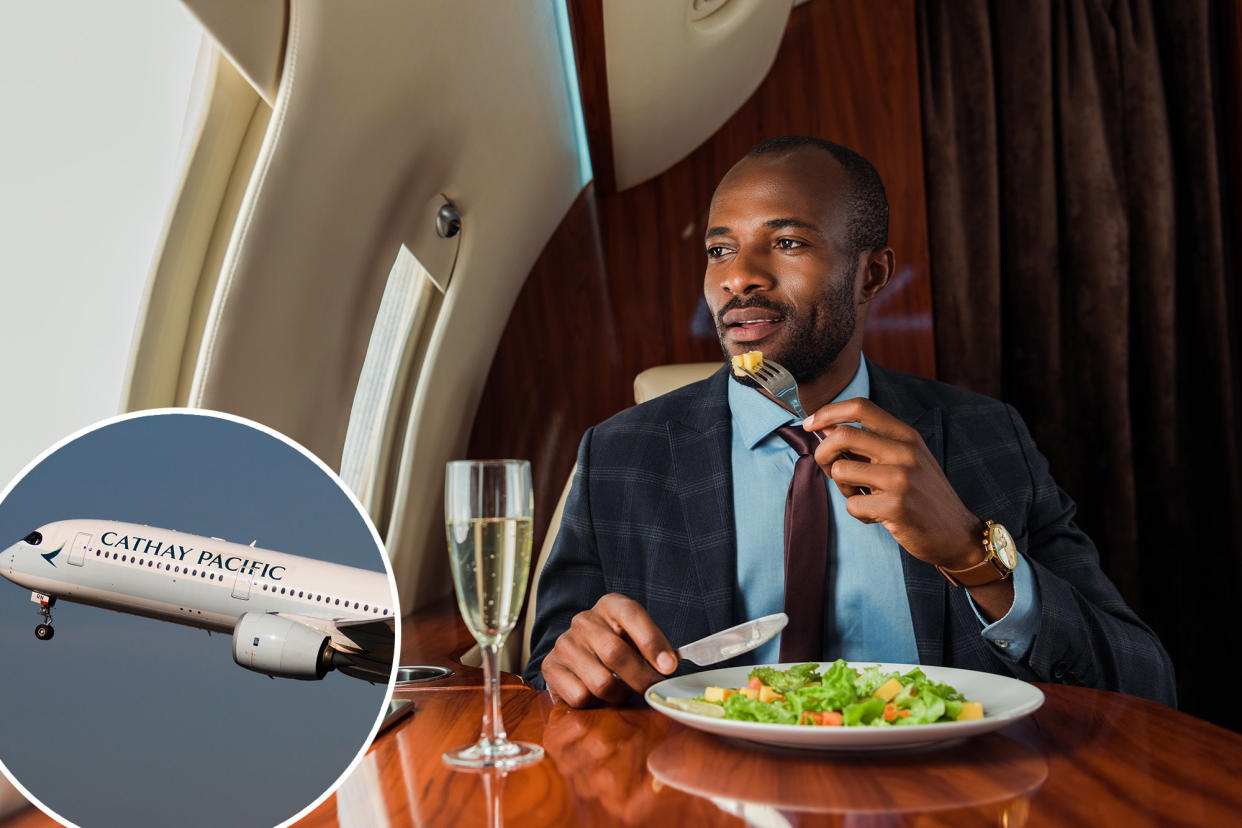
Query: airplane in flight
[289, 616]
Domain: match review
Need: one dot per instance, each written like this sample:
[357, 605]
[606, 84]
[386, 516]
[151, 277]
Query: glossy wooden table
[1088, 757]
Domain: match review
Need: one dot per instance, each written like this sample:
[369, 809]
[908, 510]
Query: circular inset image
[198, 623]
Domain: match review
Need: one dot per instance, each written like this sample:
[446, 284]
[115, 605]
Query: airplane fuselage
[187, 579]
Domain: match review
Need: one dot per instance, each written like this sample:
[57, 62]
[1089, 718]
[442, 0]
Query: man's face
[778, 277]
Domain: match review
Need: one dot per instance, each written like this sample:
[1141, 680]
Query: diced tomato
[754, 683]
[904, 713]
[810, 718]
[890, 712]
[831, 718]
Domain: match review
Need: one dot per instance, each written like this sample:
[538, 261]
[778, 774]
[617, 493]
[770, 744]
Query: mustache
[737, 303]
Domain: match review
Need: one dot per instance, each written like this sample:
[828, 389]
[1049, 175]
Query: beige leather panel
[228, 133]
[674, 77]
[381, 106]
[664, 378]
[251, 33]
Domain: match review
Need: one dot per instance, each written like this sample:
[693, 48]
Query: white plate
[1004, 699]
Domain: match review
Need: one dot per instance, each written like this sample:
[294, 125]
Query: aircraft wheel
[44, 632]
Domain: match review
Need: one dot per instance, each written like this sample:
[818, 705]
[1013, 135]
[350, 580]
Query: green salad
[842, 696]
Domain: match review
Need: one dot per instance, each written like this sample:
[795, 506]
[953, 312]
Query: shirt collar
[755, 416]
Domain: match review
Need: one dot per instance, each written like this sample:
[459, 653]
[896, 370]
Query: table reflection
[756, 782]
[602, 755]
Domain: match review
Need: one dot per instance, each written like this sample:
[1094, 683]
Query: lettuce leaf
[739, 707]
[791, 679]
[863, 712]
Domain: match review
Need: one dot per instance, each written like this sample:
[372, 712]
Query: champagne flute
[488, 513]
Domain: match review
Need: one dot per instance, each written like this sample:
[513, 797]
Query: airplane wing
[363, 647]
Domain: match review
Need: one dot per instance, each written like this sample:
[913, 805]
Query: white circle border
[353, 499]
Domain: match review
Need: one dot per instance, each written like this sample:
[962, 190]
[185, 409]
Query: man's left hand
[908, 492]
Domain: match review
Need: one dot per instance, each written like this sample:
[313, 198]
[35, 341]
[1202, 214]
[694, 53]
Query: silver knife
[734, 641]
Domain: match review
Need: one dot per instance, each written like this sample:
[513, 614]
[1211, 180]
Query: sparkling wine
[490, 561]
[488, 506]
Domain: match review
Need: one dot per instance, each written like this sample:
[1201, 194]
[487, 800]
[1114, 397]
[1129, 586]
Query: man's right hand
[608, 652]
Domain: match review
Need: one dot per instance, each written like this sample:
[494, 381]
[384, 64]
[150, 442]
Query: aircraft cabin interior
[408, 232]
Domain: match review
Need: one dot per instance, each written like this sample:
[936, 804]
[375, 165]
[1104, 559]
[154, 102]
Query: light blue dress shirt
[870, 617]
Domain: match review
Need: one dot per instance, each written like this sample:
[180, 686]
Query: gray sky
[121, 720]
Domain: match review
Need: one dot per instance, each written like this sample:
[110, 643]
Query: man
[690, 513]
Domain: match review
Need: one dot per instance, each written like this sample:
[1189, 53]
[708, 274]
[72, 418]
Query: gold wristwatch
[1002, 557]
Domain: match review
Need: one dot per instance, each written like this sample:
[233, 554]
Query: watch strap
[984, 572]
[988, 570]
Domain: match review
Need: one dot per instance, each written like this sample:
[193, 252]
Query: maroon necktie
[808, 528]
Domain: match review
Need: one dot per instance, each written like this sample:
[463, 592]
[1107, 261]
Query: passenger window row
[322, 599]
[288, 591]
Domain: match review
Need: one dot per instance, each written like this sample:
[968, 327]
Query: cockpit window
[34, 539]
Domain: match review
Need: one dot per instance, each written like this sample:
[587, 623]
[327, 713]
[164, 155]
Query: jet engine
[280, 647]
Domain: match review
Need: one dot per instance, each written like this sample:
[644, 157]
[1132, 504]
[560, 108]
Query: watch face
[1004, 545]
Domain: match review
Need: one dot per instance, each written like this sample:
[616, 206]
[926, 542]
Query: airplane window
[124, 559]
[355, 605]
[299, 593]
[385, 612]
[150, 564]
[365, 607]
[338, 602]
[178, 569]
[265, 587]
[318, 597]
[34, 539]
[97, 553]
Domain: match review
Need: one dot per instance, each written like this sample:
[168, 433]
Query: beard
[813, 338]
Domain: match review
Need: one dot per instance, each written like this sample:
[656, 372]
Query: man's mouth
[751, 324]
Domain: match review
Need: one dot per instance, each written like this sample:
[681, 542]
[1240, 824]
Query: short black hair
[867, 206]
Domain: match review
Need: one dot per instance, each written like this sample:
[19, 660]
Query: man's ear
[877, 270]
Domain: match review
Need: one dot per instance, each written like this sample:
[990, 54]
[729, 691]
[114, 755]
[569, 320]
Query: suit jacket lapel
[925, 587]
[700, 444]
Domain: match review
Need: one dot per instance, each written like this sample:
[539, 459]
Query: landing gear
[44, 631]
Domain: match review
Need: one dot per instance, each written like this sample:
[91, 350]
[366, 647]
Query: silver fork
[778, 382]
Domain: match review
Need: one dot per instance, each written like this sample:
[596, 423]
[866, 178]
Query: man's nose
[745, 274]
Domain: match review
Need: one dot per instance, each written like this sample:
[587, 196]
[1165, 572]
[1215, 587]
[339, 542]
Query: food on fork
[749, 361]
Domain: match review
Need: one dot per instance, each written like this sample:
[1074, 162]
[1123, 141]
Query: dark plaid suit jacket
[650, 515]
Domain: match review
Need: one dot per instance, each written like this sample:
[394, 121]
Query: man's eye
[716, 251]
[789, 244]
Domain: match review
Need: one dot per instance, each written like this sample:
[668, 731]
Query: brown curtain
[1079, 156]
